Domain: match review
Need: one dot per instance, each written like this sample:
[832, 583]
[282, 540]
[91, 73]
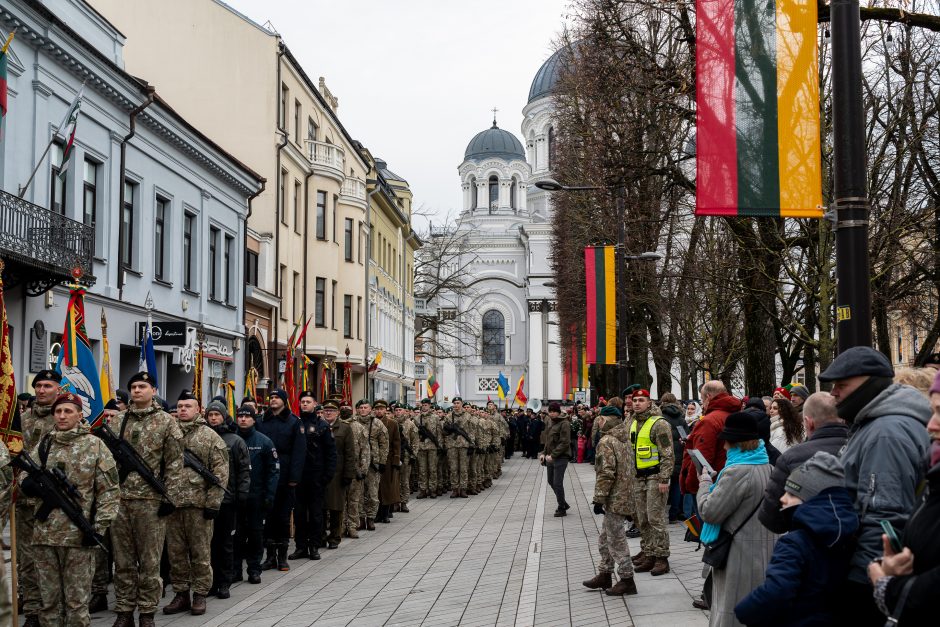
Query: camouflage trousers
[476, 470]
[651, 515]
[612, 545]
[427, 470]
[137, 536]
[189, 547]
[26, 575]
[99, 583]
[65, 574]
[492, 465]
[404, 480]
[370, 495]
[443, 470]
[351, 513]
[457, 463]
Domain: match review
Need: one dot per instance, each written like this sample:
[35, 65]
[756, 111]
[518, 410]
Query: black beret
[856, 362]
[307, 394]
[361, 402]
[122, 396]
[248, 399]
[24, 396]
[425, 401]
[47, 375]
[186, 395]
[144, 377]
[112, 405]
[457, 398]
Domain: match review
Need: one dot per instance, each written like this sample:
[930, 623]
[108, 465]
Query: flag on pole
[502, 386]
[106, 378]
[198, 368]
[600, 278]
[3, 80]
[520, 395]
[375, 362]
[251, 382]
[230, 398]
[325, 381]
[305, 376]
[67, 130]
[148, 359]
[433, 385]
[757, 116]
[10, 430]
[347, 383]
[77, 363]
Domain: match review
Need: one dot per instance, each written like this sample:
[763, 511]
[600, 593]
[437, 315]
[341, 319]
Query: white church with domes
[507, 221]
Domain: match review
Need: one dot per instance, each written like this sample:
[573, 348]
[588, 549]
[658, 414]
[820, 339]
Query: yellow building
[239, 83]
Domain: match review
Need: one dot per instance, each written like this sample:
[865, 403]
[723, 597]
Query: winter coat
[807, 567]
[535, 428]
[265, 468]
[239, 465]
[390, 484]
[346, 463]
[614, 467]
[885, 461]
[704, 438]
[558, 438]
[778, 437]
[320, 460]
[735, 496]
[284, 430]
[673, 415]
[829, 438]
[763, 428]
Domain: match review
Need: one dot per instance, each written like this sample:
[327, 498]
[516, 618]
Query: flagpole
[51, 139]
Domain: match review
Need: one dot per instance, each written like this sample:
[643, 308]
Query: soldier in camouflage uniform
[428, 485]
[443, 466]
[361, 459]
[409, 432]
[65, 561]
[457, 448]
[473, 456]
[139, 531]
[6, 494]
[189, 528]
[36, 423]
[654, 457]
[613, 497]
[378, 455]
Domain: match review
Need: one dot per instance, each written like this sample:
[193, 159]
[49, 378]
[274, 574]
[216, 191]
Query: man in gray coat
[885, 460]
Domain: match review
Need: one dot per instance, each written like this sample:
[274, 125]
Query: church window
[551, 146]
[494, 338]
[494, 192]
[512, 194]
[473, 193]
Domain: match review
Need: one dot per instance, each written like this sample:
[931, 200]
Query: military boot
[362, 524]
[271, 562]
[422, 494]
[224, 591]
[661, 567]
[144, 620]
[282, 564]
[404, 509]
[199, 605]
[599, 582]
[646, 565]
[624, 586]
[463, 494]
[455, 493]
[32, 620]
[124, 619]
[433, 494]
[314, 553]
[98, 603]
[180, 603]
[299, 553]
[638, 558]
[370, 524]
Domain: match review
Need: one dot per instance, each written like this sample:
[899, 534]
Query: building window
[282, 290]
[227, 269]
[551, 146]
[358, 317]
[513, 190]
[127, 223]
[57, 180]
[335, 200]
[214, 264]
[347, 316]
[295, 305]
[251, 268]
[189, 224]
[297, 207]
[285, 97]
[90, 193]
[297, 121]
[311, 130]
[282, 197]
[348, 239]
[321, 215]
[361, 238]
[319, 312]
[494, 338]
[333, 306]
[494, 192]
[159, 237]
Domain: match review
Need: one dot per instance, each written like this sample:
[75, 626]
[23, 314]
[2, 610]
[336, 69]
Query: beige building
[239, 83]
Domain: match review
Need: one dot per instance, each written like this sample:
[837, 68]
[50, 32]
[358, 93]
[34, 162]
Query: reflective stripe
[646, 451]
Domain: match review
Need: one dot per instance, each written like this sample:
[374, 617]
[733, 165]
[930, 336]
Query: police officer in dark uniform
[262, 489]
[319, 466]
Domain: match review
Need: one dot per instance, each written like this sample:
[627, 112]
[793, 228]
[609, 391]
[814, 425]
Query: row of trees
[738, 298]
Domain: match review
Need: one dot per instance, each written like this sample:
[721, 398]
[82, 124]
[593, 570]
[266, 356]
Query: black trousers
[277, 525]
[556, 479]
[223, 545]
[249, 531]
[308, 514]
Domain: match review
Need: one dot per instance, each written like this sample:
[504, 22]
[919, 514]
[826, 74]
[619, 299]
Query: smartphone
[700, 462]
[683, 434]
[893, 539]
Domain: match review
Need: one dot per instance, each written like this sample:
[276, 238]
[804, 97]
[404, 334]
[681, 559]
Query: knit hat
[741, 426]
[783, 392]
[820, 472]
[610, 410]
[217, 407]
[246, 410]
[799, 390]
[554, 407]
[281, 394]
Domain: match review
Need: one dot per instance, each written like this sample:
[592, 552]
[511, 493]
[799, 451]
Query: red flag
[9, 409]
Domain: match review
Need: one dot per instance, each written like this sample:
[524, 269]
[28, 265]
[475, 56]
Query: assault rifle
[425, 434]
[56, 492]
[407, 446]
[191, 461]
[453, 429]
[129, 460]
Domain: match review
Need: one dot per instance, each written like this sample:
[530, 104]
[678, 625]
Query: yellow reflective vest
[647, 453]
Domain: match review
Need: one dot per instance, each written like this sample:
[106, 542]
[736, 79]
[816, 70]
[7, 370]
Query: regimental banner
[601, 282]
[10, 430]
[576, 369]
[757, 120]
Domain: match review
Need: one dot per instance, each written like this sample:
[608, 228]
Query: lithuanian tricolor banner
[757, 136]
[575, 362]
[600, 278]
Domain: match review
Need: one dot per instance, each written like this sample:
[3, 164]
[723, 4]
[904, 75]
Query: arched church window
[494, 338]
[494, 192]
[551, 146]
[473, 192]
[512, 193]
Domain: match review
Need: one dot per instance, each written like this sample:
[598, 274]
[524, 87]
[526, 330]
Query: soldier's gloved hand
[210, 514]
[598, 509]
[346, 482]
[360, 476]
[88, 540]
[381, 467]
[166, 508]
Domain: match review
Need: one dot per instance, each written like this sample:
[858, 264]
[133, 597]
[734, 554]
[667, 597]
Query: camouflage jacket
[432, 424]
[6, 482]
[156, 436]
[36, 422]
[613, 465]
[462, 420]
[377, 435]
[211, 450]
[88, 464]
[361, 440]
[409, 431]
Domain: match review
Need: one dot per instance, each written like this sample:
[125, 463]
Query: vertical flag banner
[600, 279]
[757, 119]
[106, 378]
[375, 362]
[325, 381]
[3, 80]
[148, 359]
[76, 361]
[67, 130]
[502, 386]
[251, 382]
[433, 385]
[520, 395]
[10, 430]
[347, 383]
[230, 399]
[197, 368]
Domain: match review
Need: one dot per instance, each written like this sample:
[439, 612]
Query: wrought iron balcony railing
[46, 247]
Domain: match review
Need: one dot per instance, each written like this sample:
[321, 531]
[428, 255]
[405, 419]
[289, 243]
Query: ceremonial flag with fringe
[10, 429]
[520, 395]
[106, 378]
[77, 363]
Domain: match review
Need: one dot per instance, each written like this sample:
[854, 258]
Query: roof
[545, 79]
[494, 142]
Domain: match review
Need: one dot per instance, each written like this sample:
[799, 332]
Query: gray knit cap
[820, 472]
[219, 407]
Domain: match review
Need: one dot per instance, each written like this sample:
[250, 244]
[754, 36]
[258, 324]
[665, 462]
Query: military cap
[122, 396]
[24, 396]
[47, 375]
[361, 402]
[330, 404]
[220, 398]
[856, 362]
[307, 394]
[112, 405]
[380, 403]
[248, 399]
[144, 377]
[186, 395]
[246, 410]
[641, 393]
[456, 398]
[68, 397]
[425, 401]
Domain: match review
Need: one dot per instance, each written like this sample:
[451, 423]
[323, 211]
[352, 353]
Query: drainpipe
[278, 201]
[151, 94]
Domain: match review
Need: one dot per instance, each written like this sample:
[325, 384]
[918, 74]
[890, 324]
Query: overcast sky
[417, 79]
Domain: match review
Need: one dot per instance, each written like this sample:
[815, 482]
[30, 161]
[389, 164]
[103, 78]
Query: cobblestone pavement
[500, 558]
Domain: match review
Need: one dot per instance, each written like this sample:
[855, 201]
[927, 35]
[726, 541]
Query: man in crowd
[556, 454]
[189, 528]
[389, 482]
[409, 434]
[429, 431]
[263, 489]
[356, 491]
[319, 466]
[717, 405]
[346, 469]
[139, 531]
[457, 446]
[378, 439]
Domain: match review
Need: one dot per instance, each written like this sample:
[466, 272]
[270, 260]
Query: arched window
[255, 356]
[494, 192]
[473, 192]
[551, 146]
[494, 338]
[512, 193]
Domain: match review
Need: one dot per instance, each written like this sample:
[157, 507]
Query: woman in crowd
[786, 427]
[729, 505]
[693, 411]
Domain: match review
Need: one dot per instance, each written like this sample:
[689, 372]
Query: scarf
[856, 401]
[736, 457]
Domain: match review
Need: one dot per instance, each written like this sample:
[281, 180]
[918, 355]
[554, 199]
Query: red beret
[641, 392]
[68, 397]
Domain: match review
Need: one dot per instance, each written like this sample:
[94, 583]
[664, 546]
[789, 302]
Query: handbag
[716, 552]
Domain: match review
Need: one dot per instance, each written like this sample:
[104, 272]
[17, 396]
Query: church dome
[545, 79]
[494, 142]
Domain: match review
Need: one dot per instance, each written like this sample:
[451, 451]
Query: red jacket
[704, 437]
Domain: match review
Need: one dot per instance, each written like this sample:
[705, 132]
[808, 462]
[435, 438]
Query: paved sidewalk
[500, 558]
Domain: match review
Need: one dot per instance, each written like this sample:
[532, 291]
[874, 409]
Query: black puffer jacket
[675, 416]
[239, 464]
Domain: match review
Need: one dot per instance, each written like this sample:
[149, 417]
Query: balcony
[327, 159]
[42, 248]
[353, 192]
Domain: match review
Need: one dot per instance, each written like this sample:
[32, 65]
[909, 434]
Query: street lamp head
[650, 256]
[550, 185]
[550, 284]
